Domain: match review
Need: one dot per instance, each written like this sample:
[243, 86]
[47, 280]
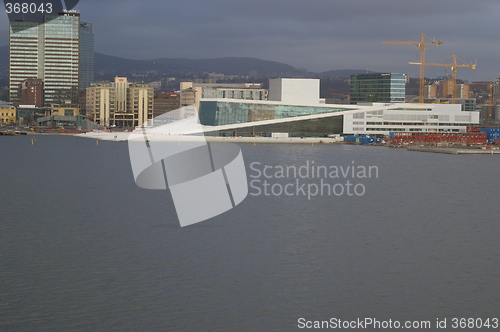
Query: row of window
[383, 129]
[23, 74]
[61, 50]
[53, 76]
[21, 54]
[53, 72]
[410, 129]
[65, 70]
[67, 43]
[56, 55]
[23, 63]
[135, 106]
[388, 86]
[48, 55]
[409, 123]
[98, 113]
[14, 42]
[24, 47]
[128, 99]
[34, 46]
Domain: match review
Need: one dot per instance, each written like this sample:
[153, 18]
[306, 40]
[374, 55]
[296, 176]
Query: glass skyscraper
[86, 54]
[382, 88]
[59, 51]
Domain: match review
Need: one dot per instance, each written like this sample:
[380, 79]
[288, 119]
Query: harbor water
[82, 248]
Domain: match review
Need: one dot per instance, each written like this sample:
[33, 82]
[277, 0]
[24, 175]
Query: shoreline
[124, 136]
[121, 137]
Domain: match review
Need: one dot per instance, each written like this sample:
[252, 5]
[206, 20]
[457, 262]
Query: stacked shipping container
[421, 137]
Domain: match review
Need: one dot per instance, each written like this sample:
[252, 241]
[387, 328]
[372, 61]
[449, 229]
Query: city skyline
[318, 36]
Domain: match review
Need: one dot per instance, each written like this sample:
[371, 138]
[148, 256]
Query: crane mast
[421, 45]
[453, 67]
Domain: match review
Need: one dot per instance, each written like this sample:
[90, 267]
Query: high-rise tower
[86, 54]
[59, 52]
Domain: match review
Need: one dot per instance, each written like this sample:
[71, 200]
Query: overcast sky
[317, 35]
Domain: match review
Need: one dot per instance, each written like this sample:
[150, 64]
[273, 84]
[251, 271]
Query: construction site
[449, 91]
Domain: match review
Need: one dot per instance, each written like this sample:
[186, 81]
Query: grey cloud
[316, 34]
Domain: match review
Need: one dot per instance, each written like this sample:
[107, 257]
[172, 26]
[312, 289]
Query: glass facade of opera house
[219, 113]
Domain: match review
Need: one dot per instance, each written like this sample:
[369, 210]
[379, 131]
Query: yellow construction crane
[453, 67]
[420, 46]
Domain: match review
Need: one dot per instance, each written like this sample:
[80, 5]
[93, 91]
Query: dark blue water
[82, 248]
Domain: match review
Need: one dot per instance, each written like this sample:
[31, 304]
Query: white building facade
[294, 90]
[410, 117]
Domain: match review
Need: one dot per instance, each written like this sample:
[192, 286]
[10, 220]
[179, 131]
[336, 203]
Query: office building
[189, 94]
[7, 113]
[32, 92]
[192, 92]
[120, 103]
[165, 102]
[59, 52]
[446, 88]
[382, 88]
[431, 91]
[462, 90]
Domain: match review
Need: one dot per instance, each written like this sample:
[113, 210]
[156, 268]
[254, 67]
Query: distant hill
[108, 66]
[227, 66]
[232, 66]
[105, 65]
[343, 73]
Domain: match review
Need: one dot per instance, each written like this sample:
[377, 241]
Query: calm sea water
[82, 248]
